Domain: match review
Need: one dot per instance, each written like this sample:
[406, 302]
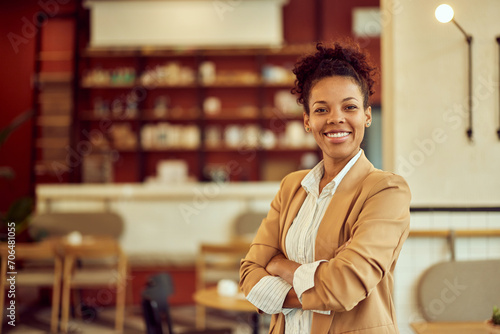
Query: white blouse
[270, 292]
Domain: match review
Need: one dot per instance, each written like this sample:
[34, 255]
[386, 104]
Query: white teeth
[337, 134]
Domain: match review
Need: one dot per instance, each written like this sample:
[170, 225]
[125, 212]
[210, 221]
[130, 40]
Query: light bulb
[444, 13]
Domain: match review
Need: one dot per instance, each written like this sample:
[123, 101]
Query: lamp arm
[468, 37]
[469, 47]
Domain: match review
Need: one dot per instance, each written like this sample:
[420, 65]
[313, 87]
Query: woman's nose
[335, 117]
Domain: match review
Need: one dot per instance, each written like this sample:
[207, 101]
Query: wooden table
[450, 328]
[210, 298]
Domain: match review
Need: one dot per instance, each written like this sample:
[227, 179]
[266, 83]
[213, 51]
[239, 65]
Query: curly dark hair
[348, 61]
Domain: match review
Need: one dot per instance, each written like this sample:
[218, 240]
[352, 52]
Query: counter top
[144, 191]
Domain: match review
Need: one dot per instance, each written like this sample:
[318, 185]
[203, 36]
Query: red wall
[16, 66]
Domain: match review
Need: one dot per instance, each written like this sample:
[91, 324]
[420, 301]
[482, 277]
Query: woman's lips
[337, 136]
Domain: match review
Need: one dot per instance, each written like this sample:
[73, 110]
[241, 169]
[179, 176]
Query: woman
[323, 260]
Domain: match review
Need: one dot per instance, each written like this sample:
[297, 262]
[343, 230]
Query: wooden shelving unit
[245, 97]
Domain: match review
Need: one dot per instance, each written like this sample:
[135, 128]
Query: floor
[36, 320]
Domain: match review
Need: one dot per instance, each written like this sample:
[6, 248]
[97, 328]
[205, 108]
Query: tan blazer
[370, 207]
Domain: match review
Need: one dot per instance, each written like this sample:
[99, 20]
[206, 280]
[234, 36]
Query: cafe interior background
[177, 116]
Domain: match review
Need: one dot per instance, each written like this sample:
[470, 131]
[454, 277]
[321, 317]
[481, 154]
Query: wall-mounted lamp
[444, 13]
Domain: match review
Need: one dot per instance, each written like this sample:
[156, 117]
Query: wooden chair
[215, 262]
[37, 265]
[103, 265]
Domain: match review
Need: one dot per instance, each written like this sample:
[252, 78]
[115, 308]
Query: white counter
[164, 223]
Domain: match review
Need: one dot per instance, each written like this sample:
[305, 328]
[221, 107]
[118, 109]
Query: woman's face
[337, 118]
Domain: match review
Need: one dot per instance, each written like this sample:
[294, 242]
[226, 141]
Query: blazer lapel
[332, 224]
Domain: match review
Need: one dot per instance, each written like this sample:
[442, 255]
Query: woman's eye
[320, 110]
[352, 107]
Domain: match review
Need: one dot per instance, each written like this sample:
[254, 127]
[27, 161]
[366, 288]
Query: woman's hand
[273, 265]
[282, 267]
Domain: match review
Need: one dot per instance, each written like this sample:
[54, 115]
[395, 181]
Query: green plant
[495, 318]
[7, 172]
[20, 211]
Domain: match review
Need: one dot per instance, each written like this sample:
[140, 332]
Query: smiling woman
[329, 245]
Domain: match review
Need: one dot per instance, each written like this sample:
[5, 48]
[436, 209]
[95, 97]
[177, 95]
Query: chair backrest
[246, 225]
[219, 261]
[87, 223]
[459, 290]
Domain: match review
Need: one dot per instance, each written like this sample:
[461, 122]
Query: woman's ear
[368, 114]
[307, 127]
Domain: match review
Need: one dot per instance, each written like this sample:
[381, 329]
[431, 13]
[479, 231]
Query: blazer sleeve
[262, 249]
[377, 236]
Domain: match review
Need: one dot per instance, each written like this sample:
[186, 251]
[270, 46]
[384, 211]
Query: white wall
[424, 73]
[418, 254]
[185, 23]
[424, 64]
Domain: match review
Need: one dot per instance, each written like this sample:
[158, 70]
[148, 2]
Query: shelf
[55, 77]
[236, 114]
[53, 167]
[232, 85]
[54, 121]
[242, 85]
[278, 84]
[256, 149]
[285, 50]
[115, 86]
[227, 115]
[89, 116]
[260, 83]
[169, 119]
[171, 86]
[55, 56]
[98, 150]
[172, 115]
[171, 150]
[52, 143]
[293, 149]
